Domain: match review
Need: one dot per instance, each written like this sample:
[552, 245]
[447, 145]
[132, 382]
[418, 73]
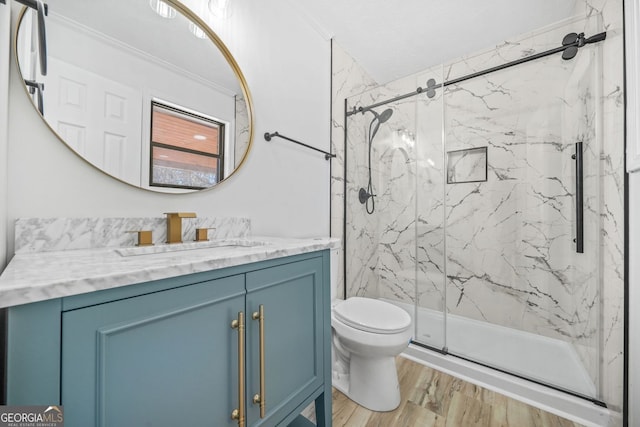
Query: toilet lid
[372, 315]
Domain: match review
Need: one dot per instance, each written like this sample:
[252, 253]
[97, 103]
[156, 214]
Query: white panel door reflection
[98, 118]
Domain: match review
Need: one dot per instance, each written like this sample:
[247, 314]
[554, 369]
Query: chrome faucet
[174, 225]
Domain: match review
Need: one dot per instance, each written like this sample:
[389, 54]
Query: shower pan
[487, 208]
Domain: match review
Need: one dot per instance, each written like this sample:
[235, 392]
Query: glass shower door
[467, 212]
[380, 206]
[520, 295]
[430, 315]
[384, 236]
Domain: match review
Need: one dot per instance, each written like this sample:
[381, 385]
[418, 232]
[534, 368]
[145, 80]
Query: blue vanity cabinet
[163, 359]
[164, 353]
[291, 297]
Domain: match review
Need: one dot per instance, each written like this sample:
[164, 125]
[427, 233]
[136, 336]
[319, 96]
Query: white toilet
[367, 336]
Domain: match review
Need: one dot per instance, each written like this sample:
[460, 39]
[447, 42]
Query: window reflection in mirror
[187, 148]
[107, 63]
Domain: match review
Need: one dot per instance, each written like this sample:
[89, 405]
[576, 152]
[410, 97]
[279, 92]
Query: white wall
[282, 188]
[5, 35]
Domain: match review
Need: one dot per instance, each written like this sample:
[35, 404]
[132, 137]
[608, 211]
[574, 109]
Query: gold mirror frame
[215, 39]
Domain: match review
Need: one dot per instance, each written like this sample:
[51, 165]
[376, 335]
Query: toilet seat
[372, 315]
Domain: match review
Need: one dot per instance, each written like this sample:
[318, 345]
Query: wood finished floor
[432, 398]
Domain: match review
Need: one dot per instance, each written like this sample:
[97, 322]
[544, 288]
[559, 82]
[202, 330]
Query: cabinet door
[164, 359]
[293, 329]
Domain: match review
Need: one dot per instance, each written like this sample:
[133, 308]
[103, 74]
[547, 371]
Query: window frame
[187, 114]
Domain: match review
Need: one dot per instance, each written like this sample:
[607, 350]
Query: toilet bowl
[367, 336]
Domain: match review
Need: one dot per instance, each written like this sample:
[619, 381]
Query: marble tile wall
[58, 234]
[242, 130]
[510, 255]
[466, 165]
[430, 231]
[509, 240]
[348, 78]
[373, 270]
[612, 175]
[394, 185]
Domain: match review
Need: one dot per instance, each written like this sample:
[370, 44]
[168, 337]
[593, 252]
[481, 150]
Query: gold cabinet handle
[239, 413]
[260, 398]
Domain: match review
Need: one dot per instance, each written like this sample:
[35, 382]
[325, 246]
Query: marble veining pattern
[612, 201]
[510, 240]
[467, 165]
[527, 275]
[348, 79]
[38, 276]
[488, 229]
[242, 136]
[59, 234]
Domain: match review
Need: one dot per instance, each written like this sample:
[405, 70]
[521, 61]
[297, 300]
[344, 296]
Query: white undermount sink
[189, 246]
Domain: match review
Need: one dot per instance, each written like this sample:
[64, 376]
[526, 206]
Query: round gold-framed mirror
[144, 90]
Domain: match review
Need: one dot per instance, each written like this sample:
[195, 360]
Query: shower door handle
[579, 239]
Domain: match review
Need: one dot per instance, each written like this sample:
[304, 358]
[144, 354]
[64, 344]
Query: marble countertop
[32, 277]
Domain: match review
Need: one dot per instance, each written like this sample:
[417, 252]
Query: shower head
[367, 195]
[385, 115]
[378, 118]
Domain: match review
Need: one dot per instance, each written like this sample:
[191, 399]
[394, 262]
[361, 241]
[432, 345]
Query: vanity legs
[323, 408]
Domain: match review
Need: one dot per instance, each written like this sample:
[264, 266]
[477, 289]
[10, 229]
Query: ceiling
[392, 39]
[136, 25]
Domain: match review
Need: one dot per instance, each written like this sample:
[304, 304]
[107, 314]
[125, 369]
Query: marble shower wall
[430, 214]
[381, 264]
[242, 130]
[524, 273]
[348, 78]
[511, 259]
[612, 189]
